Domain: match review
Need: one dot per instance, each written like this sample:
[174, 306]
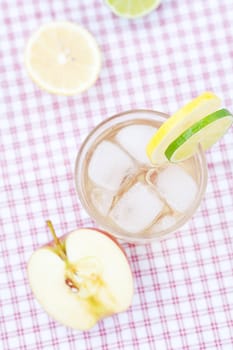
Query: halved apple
[81, 278]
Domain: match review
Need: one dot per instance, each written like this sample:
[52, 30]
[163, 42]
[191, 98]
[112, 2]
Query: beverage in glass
[127, 195]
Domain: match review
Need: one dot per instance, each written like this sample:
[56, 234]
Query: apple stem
[56, 240]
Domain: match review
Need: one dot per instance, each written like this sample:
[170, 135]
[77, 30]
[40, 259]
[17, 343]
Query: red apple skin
[63, 237]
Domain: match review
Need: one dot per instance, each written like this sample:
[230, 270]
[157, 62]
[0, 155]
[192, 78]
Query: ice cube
[134, 138]
[109, 165]
[137, 208]
[102, 199]
[164, 223]
[177, 187]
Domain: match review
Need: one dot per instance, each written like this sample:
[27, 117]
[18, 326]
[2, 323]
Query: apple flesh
[81, 278]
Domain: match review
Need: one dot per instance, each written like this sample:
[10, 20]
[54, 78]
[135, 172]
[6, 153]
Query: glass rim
[99, 219]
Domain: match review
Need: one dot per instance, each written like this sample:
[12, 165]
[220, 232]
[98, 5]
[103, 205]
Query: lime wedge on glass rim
[174, 126]
[205, 132]
[132, 8]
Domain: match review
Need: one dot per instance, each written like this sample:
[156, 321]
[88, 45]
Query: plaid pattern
[183, 285]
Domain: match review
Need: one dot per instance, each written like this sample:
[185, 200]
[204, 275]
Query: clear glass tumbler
[125, 197]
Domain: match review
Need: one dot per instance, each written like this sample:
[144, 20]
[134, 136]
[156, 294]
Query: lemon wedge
[174, 126]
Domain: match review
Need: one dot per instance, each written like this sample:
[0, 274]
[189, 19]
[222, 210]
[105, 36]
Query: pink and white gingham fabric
[183, 285]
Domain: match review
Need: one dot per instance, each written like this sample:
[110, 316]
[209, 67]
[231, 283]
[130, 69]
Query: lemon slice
[132, 8]
[205, 132]
[195, 110]
[63, 58]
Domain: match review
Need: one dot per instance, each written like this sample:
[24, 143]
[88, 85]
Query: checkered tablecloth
[183, 285]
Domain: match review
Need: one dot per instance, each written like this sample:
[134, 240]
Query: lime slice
[132, 8]
[195, 110]
[63, 58]
[205, 132]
